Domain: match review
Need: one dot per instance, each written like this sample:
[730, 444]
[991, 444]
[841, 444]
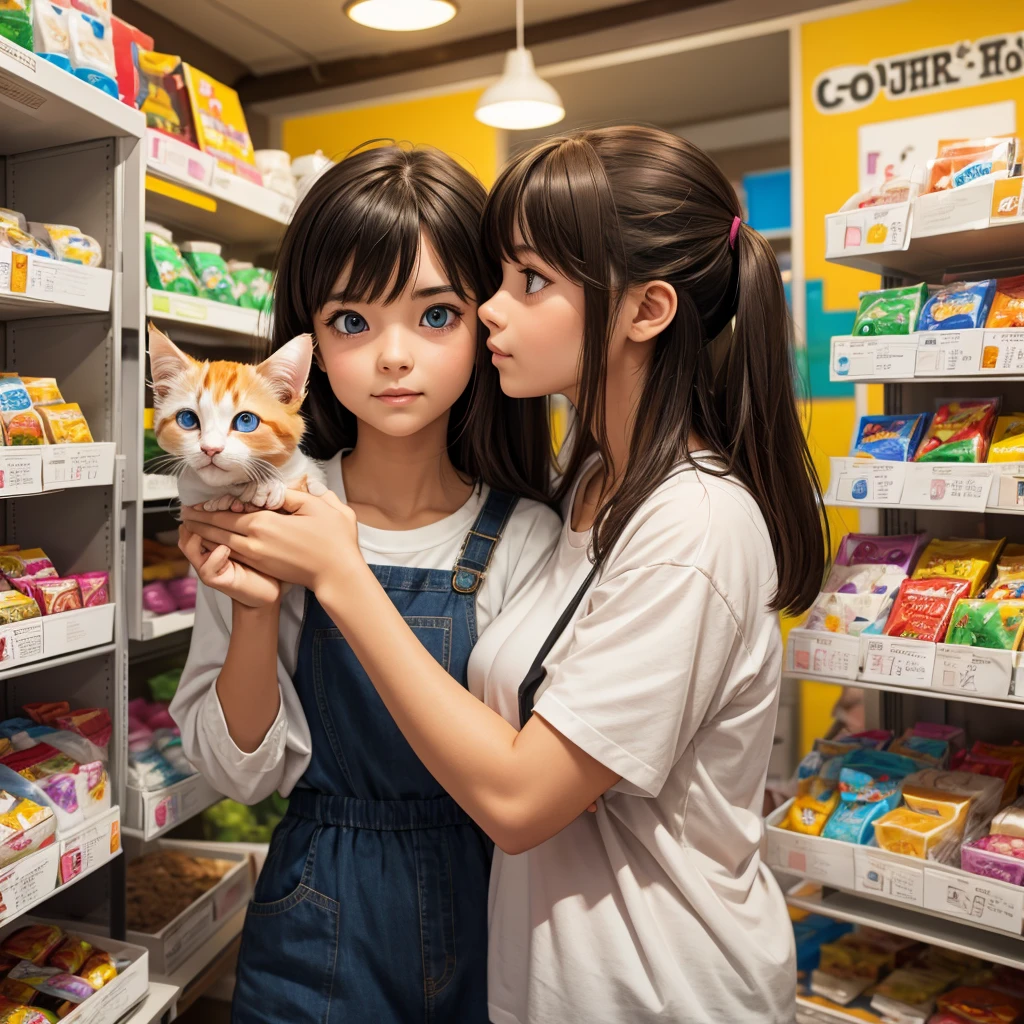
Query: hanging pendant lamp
[401, 15]
[520, 99]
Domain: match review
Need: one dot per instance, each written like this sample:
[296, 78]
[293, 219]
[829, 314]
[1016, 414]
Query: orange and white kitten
[234, 429]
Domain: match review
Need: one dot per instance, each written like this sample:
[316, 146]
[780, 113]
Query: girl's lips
[498, 357]
[406, 399]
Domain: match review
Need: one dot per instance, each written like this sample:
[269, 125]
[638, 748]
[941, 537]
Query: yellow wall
[446, 122]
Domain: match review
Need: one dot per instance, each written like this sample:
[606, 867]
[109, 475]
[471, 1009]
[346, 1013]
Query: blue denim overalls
[372, 905]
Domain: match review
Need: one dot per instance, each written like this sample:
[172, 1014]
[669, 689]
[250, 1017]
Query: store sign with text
[957, 66]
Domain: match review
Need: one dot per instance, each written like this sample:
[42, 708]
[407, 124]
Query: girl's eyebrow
[420, 293]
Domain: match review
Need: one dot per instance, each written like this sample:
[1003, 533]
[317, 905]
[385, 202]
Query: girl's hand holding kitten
[218, 571]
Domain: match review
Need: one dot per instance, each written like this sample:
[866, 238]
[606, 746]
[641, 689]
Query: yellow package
[43, 390]
[918, 834]
[808, 814]
[849, 957]
[1008, 440]
[1009, 579]
[219, 120]
[959, 558]
[15, 606]
[65, 424]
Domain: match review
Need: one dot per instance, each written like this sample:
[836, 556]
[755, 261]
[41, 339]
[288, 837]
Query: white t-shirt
[280, 760]
[657, 907]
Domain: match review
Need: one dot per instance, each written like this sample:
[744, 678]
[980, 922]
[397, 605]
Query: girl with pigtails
[640, 667]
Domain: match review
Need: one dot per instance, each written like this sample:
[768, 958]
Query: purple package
[869, 549]
[184, 592]
[156, 598]
[990, 856]
[95, 587]
[61, 789]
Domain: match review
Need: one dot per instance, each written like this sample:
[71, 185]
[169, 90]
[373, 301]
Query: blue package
[889, 438]
[871, 776]
[852, 823]
[811, 933]
[958, 307]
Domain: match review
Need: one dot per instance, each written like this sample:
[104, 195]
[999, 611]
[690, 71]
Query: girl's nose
[490, 313]
[395, 356]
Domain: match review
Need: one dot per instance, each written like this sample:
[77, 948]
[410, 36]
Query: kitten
[234, 429]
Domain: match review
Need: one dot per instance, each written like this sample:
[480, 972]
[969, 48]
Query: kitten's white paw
[268, 495]
[316, 487]
[221, 504]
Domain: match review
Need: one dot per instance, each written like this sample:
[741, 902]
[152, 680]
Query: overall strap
[478, 547]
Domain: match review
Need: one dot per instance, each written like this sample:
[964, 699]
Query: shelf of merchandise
[71, 154]
[158, 1005]
[162, 625]
[149, 815]
[186, 317]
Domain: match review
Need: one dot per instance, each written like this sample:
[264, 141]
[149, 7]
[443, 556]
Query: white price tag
[21, 471]
[77, 465]
[877, 876]
[941, 353]
[870, 358]
[21, 642]
[90, 848]
[873, 229]
[823, 860]
[972, 670]
[904, 662]
[866, 481]
[5, 270]
[822, 654]
[974, 899]
[27, 881]
[1001, 351]
[948, 485]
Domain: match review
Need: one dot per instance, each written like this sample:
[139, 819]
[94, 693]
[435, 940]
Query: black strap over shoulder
[529, 686]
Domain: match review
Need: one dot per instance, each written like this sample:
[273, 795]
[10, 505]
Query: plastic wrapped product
[1008, 440]
[34, 942]
[923, 608]
[183, 591]
[981, 1005]
[71, 954]
[890, 311]
[43, 390]
[65, 424]
[59, 595]
[1007, 310]
[871, 549]
[211, 270]
[928, 750]
[15, 607]
[95, 588]
[995, 856]
[52, 981]
[837, 990]
[957, 307]
[870, 776]
[913, 986]
[888, 438]
[994, 624]
[959, 432]
[1006, 769]
[1010, 820]
[959, 558]
[50, 33]
[853, 822]
[252, 285]
[161, 94]
[16, 22]
[921, 833]
[166, 269]
[808, 815]
[854, 957]
[92, 51]
[156, 598]
[960, 162]
[13, 1014]
[70, 244]
[99, 969]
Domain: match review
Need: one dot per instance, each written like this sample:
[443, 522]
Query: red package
[960, 431]
[43, 713]
[998, 767]
[923, 608]
[127, 75]
[92, 723]
[70, 955]
[982, 1005]
[34, 942]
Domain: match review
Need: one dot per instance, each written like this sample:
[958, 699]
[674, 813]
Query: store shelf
[157, 487]
[161, 625]
[40, 469]
[48, 287]
[205, 319]
[159, 1001]
[44, 106]
[149, 815]
[50, 640]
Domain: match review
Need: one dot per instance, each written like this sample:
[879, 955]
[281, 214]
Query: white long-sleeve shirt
[280, 760]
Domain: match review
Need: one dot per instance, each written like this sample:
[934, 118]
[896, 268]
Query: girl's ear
[288, 369]
[166, 361]
[656, 303]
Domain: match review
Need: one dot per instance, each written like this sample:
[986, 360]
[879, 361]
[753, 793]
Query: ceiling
[267, 35]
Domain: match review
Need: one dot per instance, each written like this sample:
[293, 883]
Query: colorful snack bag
[995, 856]
[871, 549]
[923, 608]
[15, 607]
[95, 588]
[36, 562]
[808, 814]
[24, 427]
[924, 749]
[65, 424]
[166, 269]
[1008, 439]
[981, 1005]
[889, 438]
[959, 432]
[16, 22]
[70, 244]
[161, 95]
[99, 969]
[43, 390]
[51, 981]
[957, 558]
[252, 285]
[853, 597]
[1009, 579]
[92, 51]
[994, 624]
[50, 33]
[957, 307]
[34, 942]
[870, 776]
[209, 266]
[854, 822]
[1005, 769]
[1007, 310]
[961, 161]
[58, 595]
[890, 311]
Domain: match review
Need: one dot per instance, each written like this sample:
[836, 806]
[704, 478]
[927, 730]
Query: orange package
[961, 161]
[1007, 309]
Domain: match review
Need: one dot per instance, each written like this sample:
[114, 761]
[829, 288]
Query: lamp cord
[520, 44]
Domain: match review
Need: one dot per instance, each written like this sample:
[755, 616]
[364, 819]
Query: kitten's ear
[288, 369]
[166, 361]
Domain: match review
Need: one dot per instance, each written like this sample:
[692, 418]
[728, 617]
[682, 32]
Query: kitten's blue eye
[245, 422]
[351, 323]
[439, 317]
[187, 419]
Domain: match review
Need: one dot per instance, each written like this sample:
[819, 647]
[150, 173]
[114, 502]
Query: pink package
[876, 739]
[95, 587]
[183, 591]
[156, 598]
[951, 734]
[997, 856]
[870, 549]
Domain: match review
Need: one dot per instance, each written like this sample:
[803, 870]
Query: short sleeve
[654, 651]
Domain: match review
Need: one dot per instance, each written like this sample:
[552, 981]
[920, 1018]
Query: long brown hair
[613, 207]
[368, 211]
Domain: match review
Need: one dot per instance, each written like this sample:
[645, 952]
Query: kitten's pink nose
[210, 450]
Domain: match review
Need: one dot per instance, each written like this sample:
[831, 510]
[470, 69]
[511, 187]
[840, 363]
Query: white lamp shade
[401, 15]
[520, 98]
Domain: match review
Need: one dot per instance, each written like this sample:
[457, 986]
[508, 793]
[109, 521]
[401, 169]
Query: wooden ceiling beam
[297, 81]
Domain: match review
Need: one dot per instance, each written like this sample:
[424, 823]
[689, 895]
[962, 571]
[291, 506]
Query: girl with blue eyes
[372, 903]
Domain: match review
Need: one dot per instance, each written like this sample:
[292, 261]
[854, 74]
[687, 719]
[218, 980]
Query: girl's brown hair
[614, 207]
[368, 211]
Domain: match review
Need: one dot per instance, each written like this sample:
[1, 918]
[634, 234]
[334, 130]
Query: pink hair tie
[734, 231]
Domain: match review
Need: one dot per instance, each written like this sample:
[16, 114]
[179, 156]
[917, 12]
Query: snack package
[15, 607]
[853, 597]
[889, 311]
[51, 39]
[871, 549]
[957, 307]
[994, 624]
[916, 834]
[981, 1005]
[92, 51]
[58, 595]
[161, 94]
[94, 588]
[960, 162]
[157, 599]
[1010, 820]
[888, 438]
[836, 989]
[125, 38]
[211, 270]
[70, 244]
[1008, 440]
[958, 558]
[925, 749]
[35, 562]
[870, 776]
[985, 793]
[1007, 310]
[99, 969]
[914, 986]
[252, 285]
[34, 942]
[166, 269]
[42, 390]
[853, 822]
[65, 424]
[959, 432]
[995, 856]
[51, 981]
[16, 22]
[220, 125]
[854, 956]
[923, 608]
[984, 759]
[25, 427]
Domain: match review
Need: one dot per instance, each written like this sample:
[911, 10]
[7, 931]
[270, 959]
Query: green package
[252, 286]
[211, 270]
[890, 311]
[166, 269]
[16, 22]
[993, 624]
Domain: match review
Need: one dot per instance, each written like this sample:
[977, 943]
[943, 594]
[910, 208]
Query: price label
[820, 859]
[904, 662]
[866, 482]
[27, 882]
[870, 358]
[974, 899]
[948, 352]
[77, 465]
[972, 670]
[877, 876]
[823, 654]
[21, 472]
[948, 485]
[21, 642]
[1002, 352]
[874, 229]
